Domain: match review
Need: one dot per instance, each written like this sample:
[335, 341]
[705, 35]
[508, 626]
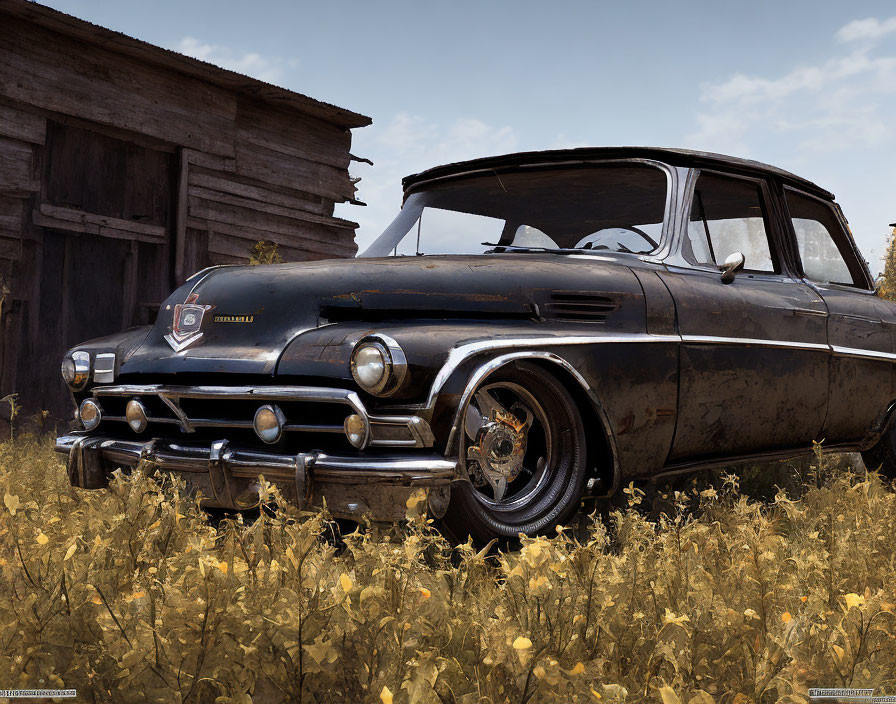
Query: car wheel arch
[602, 454]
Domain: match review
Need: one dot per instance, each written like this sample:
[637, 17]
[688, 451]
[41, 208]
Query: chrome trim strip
[866, 354]
[174, 404]
[494, 364]
[420, 434]
[753, 342]
[104, 368]
[268, 393]
[460, 354]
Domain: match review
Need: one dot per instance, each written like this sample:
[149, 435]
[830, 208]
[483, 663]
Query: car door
[754, 354]
[860, 325]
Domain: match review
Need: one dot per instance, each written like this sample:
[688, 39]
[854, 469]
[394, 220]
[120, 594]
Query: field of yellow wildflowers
[133, 595]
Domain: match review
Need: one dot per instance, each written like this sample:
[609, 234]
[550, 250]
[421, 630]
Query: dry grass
[131, 595]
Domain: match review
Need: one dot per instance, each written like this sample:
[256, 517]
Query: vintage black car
[531, 329]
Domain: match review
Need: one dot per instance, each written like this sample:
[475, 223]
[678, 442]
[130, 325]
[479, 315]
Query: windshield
[615, 207]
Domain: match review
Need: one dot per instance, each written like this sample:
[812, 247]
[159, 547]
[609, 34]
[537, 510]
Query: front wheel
[524, 447]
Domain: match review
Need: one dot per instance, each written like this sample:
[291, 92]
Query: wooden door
[106, 211]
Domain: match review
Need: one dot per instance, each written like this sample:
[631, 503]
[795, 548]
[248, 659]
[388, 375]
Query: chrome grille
[192, 407]
[308, 409]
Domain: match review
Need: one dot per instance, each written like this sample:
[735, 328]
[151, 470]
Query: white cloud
[869, 28]
[829, 106]
[407, 144]
[830, 121]
[264, 68]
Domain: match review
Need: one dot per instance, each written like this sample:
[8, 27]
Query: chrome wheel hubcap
[500, 421]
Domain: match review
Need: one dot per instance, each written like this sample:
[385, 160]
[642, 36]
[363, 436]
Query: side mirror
[733, 264]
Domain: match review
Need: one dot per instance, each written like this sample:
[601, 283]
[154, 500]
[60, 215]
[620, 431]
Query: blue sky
[808, 86]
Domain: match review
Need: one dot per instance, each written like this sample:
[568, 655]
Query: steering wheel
[587, 242]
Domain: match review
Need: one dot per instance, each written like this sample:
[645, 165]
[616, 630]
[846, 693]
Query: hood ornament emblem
[186, 326]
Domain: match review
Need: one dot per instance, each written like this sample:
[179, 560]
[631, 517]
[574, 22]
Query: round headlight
[90, 413]
[68, 370]
[369, 366]
[135, 414]
[76, 369]
[378, 365]
[268, 423]
[355, 430]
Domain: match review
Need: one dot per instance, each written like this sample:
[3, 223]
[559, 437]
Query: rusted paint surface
[679, 368]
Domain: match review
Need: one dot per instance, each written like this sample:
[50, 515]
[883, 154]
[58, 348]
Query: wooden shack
[125, 167]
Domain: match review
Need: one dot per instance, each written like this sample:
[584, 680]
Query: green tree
[887, 288]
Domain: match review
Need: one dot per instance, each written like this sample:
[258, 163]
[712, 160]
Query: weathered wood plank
[273, 224]
[22, 125]
[10, 247]
[246, 188]
[273, 167]
[16, 168]
[148, 53]
[69, 219]
[113, 89]
[11, 216]
[211, 161]
[266, 207]
[293, 135]
[180, 220]
[221, 243]
[249, 236]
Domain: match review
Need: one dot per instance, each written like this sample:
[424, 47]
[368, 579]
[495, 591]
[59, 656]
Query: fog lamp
[90, 413]
[135, 414]
[76, 369]
[355, 430]
[268, 423]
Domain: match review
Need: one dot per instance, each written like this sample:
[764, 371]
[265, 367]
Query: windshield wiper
[523, 248]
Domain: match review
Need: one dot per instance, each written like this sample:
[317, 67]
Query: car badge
[186, 326]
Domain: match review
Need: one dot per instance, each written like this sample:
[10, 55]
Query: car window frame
[770, 211]
[667, 231]
[852, 257]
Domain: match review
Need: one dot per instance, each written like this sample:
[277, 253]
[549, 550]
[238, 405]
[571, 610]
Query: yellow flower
[42, 539]
[425, 593]
[670, 617]
[12, 503]
[786, 617]
[577, 669]
[522, 643]
[386, 695]
[853, 600]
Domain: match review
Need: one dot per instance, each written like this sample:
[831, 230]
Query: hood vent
[579, 307]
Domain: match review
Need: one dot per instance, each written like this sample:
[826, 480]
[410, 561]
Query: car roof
[675, 157]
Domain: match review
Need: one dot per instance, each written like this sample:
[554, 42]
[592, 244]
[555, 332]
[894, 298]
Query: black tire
[882, 456]
[549, 494]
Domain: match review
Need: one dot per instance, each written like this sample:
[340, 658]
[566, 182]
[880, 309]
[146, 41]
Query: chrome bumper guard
[228, 476]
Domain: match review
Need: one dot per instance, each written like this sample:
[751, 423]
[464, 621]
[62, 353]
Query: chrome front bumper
[227, 476]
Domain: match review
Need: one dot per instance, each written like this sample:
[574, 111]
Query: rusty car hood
[250, 314]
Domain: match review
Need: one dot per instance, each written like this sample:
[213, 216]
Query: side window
[727, 216]
[817, 232]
